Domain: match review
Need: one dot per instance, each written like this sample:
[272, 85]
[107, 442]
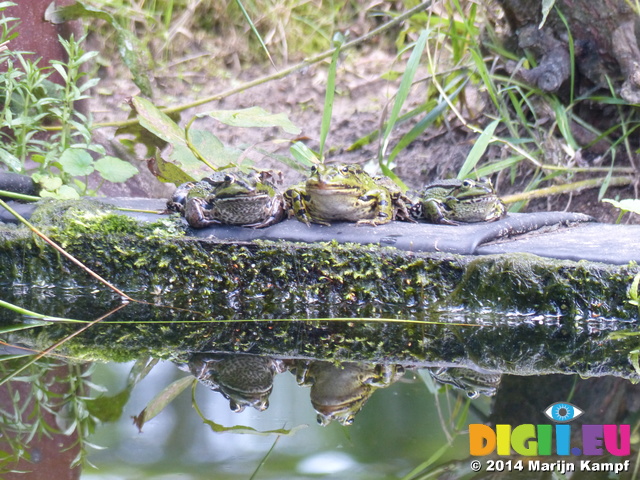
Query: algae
[324, 300]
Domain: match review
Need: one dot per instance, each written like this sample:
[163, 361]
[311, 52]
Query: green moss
[211, 295]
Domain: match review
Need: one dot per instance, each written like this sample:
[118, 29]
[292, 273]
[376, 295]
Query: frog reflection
[338, 392]
[244, 380]
[473, 382]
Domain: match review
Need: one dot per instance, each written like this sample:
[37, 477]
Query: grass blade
[403, 90]
[338, 40]
[255, 31]
[478, 150]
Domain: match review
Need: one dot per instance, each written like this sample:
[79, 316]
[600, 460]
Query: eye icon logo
[562, 412]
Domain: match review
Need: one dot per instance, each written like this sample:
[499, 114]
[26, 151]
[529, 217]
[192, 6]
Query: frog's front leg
[382, 207]
[195, 212]
[436, 211]
[297, 201]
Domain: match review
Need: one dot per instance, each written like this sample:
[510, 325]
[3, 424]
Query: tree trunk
[605, 40]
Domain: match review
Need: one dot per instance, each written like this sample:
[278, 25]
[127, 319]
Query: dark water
[396, 399]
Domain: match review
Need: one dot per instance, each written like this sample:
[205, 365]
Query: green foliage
[49, 398]
[626, 205]
[60, 161]
[195, 153]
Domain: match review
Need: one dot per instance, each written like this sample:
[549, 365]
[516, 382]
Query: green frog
[459, 201]
[232, 197]
[474, 383]
[244, 380]
[338, 392]
[346, 193]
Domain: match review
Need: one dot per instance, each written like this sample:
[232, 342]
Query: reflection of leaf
[252, 117]
[161, 400]
[216, 427]
[134, 54]
[108, 408]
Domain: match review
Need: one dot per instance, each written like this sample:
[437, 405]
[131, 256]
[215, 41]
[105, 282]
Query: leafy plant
[61, 161]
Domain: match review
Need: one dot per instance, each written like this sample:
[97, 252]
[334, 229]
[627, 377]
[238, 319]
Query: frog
[453, 202]
[345, 192]
[473, 382]
[233, 197]
[243, 379]
[338, 392]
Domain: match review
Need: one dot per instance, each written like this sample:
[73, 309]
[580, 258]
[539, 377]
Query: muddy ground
[362, 100]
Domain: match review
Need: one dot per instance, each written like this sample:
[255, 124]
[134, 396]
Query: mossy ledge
[524, 313]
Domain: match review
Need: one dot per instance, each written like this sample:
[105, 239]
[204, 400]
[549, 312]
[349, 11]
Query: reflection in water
[338, 392]
[44, 420]
[244, 380]
[473, 382]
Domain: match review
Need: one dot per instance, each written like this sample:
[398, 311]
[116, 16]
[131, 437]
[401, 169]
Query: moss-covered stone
[513, 312]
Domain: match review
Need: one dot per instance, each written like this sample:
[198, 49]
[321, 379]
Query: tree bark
[605, 40]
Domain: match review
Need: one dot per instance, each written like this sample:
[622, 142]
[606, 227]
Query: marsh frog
[244, 380]
[232, 197]
[338, 392]
[459, 201]
[347, 193]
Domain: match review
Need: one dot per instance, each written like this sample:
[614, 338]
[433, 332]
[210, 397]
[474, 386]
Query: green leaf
[76, 162]
[304, 155]
[108, 408]
[254, 30]
[547, 5]
[10, 160]
[115, 170]
[403, 90]
[168, 172]
[628, 204]
[48, 182]
[479, 147]
[423, 124]
[252, 117]
[157, 122]
[65, 192]
[161, 400]
[212, 149]
[330, 93]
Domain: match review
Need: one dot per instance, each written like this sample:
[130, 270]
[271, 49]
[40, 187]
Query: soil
[362, 101]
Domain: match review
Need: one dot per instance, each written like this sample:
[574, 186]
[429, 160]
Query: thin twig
[277, 75]
[566, 188]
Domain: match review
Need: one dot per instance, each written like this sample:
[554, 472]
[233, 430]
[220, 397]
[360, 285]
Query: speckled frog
[232, 197]
[346, 193]
[459, 201]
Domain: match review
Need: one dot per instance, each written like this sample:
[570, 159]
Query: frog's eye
[345, 169]
[314, 169]
[467, 183]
